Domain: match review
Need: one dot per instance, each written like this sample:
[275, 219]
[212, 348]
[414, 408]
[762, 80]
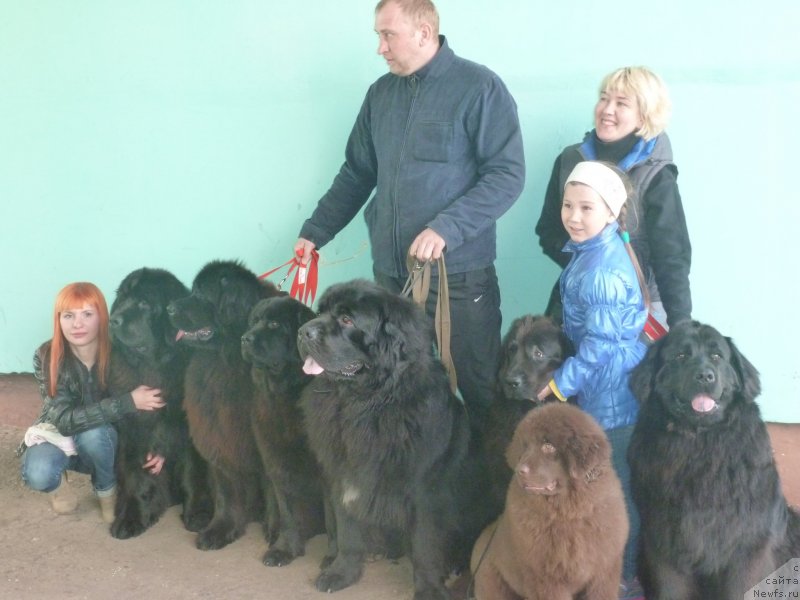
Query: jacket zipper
[400, 263]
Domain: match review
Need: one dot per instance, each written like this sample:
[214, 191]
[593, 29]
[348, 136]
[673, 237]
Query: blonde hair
[78, 294]
[420, 11]
[650, 93]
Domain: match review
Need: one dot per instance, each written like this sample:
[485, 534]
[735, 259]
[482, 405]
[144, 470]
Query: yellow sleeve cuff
[554, 388]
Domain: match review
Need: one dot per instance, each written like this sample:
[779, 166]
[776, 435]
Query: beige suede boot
[107, 503]
[63, 499]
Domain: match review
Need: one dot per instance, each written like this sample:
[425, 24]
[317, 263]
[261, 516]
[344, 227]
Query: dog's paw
[217, 536]
[275, 557]
[337, 577]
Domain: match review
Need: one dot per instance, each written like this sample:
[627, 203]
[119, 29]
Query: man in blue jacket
[438, 141]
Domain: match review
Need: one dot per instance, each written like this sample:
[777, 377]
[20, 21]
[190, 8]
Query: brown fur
[564, 527]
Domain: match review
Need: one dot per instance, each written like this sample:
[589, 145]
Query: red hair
[72, 296]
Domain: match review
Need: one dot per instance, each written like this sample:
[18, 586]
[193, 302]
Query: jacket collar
[640, 152]
[439, 63]
[603, 238]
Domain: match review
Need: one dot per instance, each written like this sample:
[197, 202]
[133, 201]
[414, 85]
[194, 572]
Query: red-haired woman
[74, 430]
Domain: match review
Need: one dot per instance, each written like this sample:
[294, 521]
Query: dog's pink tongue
[180, 334]
[703, 404]
[311, 367]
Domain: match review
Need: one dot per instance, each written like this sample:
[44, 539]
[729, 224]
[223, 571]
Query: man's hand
[302, 250]
[428, 245]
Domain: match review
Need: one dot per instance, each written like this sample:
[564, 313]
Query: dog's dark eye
[273, 324]
[680, 356]
[715, 357]
[538, 354]
[346, 320]
[144, 305]
[548, 448]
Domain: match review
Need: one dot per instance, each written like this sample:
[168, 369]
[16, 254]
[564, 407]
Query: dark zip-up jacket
[441, 148]
[656, 219]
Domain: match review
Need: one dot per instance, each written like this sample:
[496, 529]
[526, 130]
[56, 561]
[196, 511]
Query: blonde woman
[630, 117]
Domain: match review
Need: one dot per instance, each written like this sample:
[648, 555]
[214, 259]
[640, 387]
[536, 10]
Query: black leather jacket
[79, 404]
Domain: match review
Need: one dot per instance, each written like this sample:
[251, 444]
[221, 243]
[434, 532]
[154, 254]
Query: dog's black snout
[706, 376]
[115, 322]
[513, 380]
[247, 339]
[309, 333]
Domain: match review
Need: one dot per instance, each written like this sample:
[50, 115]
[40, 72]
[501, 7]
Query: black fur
[270, 345]
[144, 353]
[714, 519]
[219, 393]
[391, 438]
[532, 349]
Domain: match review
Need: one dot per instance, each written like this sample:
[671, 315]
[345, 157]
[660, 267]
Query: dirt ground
[43, 555]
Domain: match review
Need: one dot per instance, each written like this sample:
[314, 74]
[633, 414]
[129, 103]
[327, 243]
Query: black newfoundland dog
[144, 353]
[714, 519]
[532, 349]
[219, 393]
[270, 345]
[391, 438]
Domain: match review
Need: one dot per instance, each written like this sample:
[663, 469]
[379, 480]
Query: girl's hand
[544, 393]
[147, 398]
[154, 463]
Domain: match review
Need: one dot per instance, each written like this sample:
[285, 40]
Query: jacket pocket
[432, 141]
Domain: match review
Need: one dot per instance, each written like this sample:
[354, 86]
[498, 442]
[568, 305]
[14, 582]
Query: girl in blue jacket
[605, 309]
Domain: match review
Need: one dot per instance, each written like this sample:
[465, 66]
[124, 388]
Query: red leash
[304, 284]
[653, 329]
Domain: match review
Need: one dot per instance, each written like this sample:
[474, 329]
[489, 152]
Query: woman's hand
[154, 463]
[147, 398]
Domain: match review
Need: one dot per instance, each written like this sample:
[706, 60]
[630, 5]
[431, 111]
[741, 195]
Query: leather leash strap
[418, 285]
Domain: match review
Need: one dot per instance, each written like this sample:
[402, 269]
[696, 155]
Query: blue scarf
[640, 152]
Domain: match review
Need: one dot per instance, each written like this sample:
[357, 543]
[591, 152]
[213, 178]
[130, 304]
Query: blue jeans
[620, 439]
[43, 464]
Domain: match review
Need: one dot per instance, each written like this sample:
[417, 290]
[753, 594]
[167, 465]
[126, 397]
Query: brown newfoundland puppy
[714, 519]
[391, 438]
[270, 346]
[219, 393]
[564, 527]
[532, 349]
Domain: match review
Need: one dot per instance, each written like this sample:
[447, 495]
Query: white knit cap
[602, 180]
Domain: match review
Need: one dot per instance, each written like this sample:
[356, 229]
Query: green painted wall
[166, 134]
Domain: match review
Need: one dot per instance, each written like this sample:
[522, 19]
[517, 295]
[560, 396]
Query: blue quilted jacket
[604, 313]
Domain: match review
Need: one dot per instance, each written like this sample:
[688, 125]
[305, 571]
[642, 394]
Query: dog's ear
[516, 448]
[586, 451]
[303, 314]
[642, 380]
[749, 380]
